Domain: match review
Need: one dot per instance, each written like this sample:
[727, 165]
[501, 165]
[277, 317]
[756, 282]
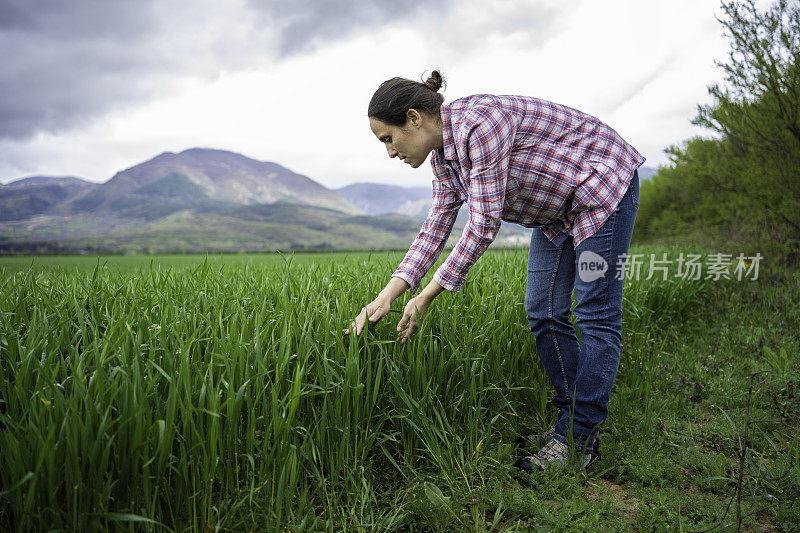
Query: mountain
[31, 196]
[193, 201]
[198, 177]
[645, 173]
[378, 199]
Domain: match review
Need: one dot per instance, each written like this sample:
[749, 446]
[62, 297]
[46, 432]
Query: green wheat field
[218, 393]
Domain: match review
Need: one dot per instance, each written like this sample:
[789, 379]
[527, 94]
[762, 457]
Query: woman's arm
[394, 288]
[433, 235]
[421, 255]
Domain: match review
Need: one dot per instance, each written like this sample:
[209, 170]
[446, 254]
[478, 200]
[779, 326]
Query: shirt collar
[449, 150]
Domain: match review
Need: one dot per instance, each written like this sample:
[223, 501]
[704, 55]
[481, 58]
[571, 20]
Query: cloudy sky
[91, 87]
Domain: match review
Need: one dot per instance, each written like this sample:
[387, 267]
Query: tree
[757, 113]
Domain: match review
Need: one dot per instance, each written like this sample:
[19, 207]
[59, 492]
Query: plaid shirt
[519, 159]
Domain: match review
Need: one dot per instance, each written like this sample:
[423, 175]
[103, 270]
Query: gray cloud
[67, 64]
[474, 26]
[637, 80]
[306, 24]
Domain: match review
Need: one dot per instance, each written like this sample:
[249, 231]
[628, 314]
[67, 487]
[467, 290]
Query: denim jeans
[582, 375]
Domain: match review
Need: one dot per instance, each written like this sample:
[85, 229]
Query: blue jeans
[581, 375]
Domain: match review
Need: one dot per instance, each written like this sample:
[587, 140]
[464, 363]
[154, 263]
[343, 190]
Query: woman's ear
[414, 118]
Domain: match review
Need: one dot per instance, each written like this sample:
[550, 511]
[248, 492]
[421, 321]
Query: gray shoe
[534, 439]
[555, 453]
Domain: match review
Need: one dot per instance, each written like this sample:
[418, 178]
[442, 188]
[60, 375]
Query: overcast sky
[91, 87]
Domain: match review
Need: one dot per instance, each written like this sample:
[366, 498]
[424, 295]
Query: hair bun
[434, 81]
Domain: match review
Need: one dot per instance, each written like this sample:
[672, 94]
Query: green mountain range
[193, 201]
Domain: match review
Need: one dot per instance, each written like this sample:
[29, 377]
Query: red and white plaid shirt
[523, 160]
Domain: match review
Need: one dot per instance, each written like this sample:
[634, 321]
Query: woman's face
[411, 143]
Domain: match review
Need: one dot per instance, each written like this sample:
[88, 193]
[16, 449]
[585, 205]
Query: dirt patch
[762, 524]
[694, 489]
[552, 503]
[602, 490]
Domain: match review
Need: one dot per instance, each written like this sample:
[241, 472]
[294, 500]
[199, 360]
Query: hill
[195, 200]
[200, 176]
[31, 196]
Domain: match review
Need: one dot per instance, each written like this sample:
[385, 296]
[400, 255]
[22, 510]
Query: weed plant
[224, 395]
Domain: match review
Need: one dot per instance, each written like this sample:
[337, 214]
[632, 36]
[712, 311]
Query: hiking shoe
[535, 439]
[554, 453]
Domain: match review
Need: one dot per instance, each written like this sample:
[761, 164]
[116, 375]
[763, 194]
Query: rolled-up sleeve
[489, 133]
[433, 235]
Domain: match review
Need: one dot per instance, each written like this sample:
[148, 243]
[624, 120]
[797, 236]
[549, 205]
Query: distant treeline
[48, 248]
[59, 248]
[739, 192]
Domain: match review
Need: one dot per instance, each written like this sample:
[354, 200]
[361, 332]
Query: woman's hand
[380, 306]
[374, 311]
[408, 325]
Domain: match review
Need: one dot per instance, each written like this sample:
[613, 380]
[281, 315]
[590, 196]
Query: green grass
[82, 264]
[187, 393]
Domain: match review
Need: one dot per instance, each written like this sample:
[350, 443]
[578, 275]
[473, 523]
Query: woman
[546, 166]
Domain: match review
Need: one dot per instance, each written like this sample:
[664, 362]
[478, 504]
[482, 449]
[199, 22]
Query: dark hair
[396, 96]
